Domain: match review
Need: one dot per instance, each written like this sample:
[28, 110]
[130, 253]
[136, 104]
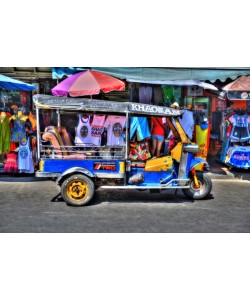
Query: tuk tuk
[80, 168]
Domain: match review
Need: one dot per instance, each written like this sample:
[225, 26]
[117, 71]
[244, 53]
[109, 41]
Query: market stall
[17, 126]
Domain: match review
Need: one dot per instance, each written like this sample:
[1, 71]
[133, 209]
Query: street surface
[33, 205]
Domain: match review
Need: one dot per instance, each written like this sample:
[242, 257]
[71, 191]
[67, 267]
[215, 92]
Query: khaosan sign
[238, 95]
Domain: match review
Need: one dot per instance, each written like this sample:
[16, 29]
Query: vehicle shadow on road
[137, 197]
[144, 197]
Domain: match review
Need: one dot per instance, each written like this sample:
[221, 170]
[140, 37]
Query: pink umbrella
[87, 83]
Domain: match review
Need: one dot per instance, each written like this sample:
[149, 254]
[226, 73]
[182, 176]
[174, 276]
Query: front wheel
[205, 187]
[77, 190]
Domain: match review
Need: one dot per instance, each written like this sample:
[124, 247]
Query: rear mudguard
[198, 163]
[72, 171]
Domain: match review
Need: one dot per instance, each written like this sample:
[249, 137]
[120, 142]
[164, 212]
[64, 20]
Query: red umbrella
[87, 83]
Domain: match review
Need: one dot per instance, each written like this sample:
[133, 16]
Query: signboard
[238, 95]
[54, 102]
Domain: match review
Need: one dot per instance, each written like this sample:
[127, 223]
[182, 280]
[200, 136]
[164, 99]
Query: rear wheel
[77, 190]
[205, 187]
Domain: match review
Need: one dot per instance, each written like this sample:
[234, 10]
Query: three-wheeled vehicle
[80, 169]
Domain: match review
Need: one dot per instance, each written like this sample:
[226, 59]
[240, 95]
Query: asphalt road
[33, 205]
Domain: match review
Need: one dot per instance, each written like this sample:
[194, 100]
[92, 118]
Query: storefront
[204, 108]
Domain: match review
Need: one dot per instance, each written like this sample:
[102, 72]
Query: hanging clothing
[97, 129]
[139, 125]
[4, 133]
[171, 94]
[115, 126]
[133, 93]
[25, 161]
[157, 96]
[187, 123]
[240, 127]
[202, 137]
[18, 131]
[83, 130]
[33, 122]
[11, 165]
[145, 94]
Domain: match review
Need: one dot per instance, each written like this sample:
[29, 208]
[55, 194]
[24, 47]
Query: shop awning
[14, 84]
[178, 83]
[159, 74]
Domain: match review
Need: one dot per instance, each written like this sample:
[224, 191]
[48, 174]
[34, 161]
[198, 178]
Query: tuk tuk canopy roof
[85, 104]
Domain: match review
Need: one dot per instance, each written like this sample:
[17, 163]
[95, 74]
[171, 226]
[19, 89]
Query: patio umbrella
[87, 83]
[238, 89]
[14, 84]
[240, 84]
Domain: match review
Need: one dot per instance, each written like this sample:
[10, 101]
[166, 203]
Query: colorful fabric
[202, 140]
[11, 165]
[140, 127]
[115, 126]
[32, 120]
[238, 156]
[139, 151]
[4, 133]
[18, 131]
[171, 94]
[240, 127]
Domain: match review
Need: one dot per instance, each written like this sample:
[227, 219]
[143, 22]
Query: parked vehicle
[81, 169]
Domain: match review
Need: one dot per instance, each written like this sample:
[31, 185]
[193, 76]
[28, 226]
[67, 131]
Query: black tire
[204, 189]
[77, 190]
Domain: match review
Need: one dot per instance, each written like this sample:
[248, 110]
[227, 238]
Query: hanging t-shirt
[97, 129]
[145, 94]
[115, 126]
[140, 126]
[187, 123]
[83, 130]
[25, 161]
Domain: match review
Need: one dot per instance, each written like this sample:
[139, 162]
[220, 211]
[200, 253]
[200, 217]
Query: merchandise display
[83, 130]
[25, 161]
[235, 138]
[17, 140]
[115, 126]
[4, 133]
[18, 131]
